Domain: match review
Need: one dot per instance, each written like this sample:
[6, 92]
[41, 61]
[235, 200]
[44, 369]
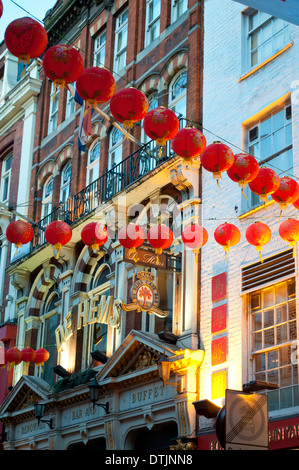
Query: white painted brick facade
[226, 104]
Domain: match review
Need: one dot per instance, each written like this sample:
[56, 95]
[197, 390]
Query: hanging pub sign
[145, 296]
[145, 258]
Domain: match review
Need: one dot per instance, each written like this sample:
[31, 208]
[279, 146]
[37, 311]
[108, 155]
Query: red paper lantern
[258, 235]
[227, 235]
[266, 183]
[160, 237]
[96, 85]
[289, 231]
[63, 64]
[28, 355]
[287, 193]
[58, 233]
[131, 236]
[161, 124]
[19, 232]
[1, 8]
[41, 356]
[26, 39]
[217, 158]
[195, 237]
[244, 169]
[129, 106]
[13, 357]
[189, 143]
[94, 235]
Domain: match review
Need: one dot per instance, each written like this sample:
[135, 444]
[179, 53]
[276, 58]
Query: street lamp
[94, 391]
[39, 410]
[164, 366]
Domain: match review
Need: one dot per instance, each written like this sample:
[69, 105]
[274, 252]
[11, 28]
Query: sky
[36, 9]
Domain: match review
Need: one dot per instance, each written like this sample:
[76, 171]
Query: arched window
[65, 182]
[153, 103]
[178, 94]
[47, 197]
[115, 147]
[48, 339]
[93, 162]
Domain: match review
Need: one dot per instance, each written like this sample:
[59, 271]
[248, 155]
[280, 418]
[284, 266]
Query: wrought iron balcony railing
[113, 181]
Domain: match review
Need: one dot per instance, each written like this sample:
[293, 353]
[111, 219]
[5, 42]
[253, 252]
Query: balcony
[121, 178]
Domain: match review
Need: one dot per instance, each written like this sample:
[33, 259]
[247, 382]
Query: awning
[288, 10]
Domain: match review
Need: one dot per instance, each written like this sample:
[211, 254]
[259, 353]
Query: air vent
[271, 270]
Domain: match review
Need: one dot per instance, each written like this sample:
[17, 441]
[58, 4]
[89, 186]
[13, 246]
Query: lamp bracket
[48, 422]
[105, 406]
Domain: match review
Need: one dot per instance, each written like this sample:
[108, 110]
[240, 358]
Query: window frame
[92, 165]
[65, 186]
[6, 178]
[53, 111]
[173, 102]
[248, 32]
[47, 200]
[99, 49]
[175, 15]
[120, 26]
[149, 24]
[114, 147]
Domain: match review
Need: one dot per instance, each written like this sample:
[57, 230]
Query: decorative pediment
[28, 391]
[139, 352]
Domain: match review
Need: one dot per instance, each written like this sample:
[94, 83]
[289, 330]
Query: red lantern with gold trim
[195, 237]
[26, 39]
[189, 143]
[161, 124]
[94, 235]
[13, 357]
[19, 232]
[217, 158]
[266, 183]
[58, 233]
[160, 237]
[227, 235]
[289, 231]
[63, 64]
[287, 193]
[96, 85]
[258, 234]
[244, 169]
[131, 236]
[28, 355]
[41, 356]
[129, 106]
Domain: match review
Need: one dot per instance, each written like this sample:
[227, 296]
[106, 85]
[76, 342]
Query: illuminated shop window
[265, 35]
[273, 334]
[270, 142]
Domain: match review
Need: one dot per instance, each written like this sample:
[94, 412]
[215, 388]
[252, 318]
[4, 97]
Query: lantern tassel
[259, 248]
[293, 244]
[158, 252]
[17, 245]
[196, 253]
[57, 248]
[242, 190]
[132, 252]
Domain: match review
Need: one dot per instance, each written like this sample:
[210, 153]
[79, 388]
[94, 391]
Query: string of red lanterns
[13, 356]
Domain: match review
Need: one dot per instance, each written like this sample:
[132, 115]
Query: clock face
[145, 294]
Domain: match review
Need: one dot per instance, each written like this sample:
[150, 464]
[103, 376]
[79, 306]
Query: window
[99, 50]
[177, 94]
[178, 8]
[153, 103]
[70, 103]
[265, 36]
[115, 147]
[5, 180]
[270, 142]
[121, 38]
[153, 12]
[273, 332]
[93, 163]
[65, 182]
[54, 102]
[50, 323]
[47, 197]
